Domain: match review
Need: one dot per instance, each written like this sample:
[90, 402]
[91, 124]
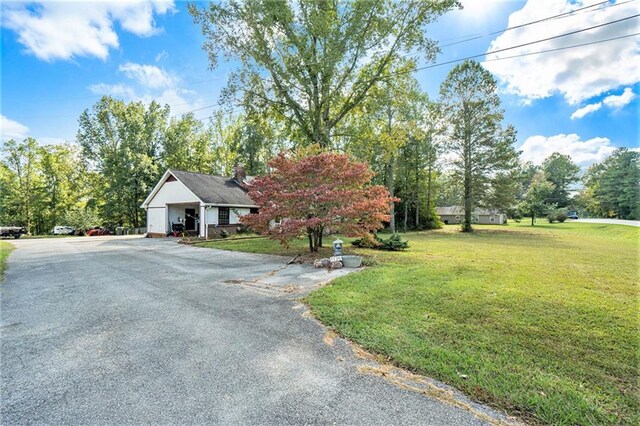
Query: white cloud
[147, 75]
[584, 153]
[64, 30]
[151, 83]
[10, 129]
[579, 73]
[617, 102]
[116, 90]
[162, 56]
[581, 112]
[614, 102]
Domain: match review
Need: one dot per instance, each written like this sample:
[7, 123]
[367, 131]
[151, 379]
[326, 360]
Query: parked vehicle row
[63, 230]
[18, 231]
[68, 230]
[98, 231]
[12, 231]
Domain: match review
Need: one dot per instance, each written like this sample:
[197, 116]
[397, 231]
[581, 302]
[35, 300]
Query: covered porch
[184, 217]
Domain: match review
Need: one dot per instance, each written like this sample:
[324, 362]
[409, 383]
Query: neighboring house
[202, 204]
[453, 215]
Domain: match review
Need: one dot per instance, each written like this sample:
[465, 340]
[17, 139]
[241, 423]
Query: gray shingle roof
[214, 189]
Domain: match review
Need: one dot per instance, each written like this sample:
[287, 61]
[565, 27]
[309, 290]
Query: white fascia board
[162, 181]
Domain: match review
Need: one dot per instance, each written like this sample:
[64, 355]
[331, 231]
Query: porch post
[203, 213]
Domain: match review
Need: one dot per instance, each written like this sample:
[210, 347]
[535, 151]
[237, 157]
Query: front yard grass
[540, 321]
[5, 251]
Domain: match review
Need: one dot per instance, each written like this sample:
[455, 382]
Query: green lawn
[262, 245]
[5, 251]
[542, 321]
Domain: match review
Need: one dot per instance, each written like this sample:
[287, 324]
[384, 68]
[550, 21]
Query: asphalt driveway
[113, 330]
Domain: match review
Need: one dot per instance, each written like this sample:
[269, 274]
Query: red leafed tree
[307, 194]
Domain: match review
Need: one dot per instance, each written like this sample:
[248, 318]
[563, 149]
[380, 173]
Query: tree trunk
[466, 227]
[392, 222]
[406, 215]
[532, 218]
[310, 235]
[316, 240]
[429, 194]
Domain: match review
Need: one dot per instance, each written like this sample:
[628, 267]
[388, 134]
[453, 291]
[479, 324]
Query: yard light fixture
[337, 247]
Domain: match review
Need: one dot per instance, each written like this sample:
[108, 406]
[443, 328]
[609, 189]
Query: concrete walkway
[115, 330]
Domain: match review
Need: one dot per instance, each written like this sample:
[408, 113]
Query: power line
[528, 44]
[562, 48]
[434, 66]
[473, 37]
[465, 58]
[505, 57]
[548, 18]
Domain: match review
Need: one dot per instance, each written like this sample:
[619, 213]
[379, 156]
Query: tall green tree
[187, 144]
[418, 172]
[314, 61]
[561, 171]
[122, 142]
[256, 136]
[614, 184]
[385, 122]
[536, 200]
[470, 105]
[64, 188]
[21, 183]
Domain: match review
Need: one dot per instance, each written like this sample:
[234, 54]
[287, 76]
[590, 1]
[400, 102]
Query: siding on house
[173, 192]
[455, 215]
[178, 191]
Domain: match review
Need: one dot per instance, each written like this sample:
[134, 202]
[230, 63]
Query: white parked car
[63, 230]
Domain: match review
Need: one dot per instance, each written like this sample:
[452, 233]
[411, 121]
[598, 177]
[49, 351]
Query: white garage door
[156, 220]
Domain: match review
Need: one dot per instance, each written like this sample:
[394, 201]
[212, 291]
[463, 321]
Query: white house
[199, 203]
[455, 214]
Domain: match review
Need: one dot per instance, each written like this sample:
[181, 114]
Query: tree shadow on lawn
[502, 237]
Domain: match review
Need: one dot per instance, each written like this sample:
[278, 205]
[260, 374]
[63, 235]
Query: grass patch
[540, 321]
[5, 251]
[297, 247]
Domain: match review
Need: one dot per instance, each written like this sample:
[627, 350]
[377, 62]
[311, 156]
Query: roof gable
[209, 189]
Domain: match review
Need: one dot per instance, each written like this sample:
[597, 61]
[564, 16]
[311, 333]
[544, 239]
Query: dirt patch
[292, 289]
[329, 337]
[416, 383]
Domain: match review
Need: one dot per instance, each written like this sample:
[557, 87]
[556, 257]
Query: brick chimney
[239, 175]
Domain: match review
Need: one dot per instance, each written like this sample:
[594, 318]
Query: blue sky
[58, 58]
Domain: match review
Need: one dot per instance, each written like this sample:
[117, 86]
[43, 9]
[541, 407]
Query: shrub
[224, 233]
[393, 243]
[363, 243]
[551, 217]
[561, 217]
